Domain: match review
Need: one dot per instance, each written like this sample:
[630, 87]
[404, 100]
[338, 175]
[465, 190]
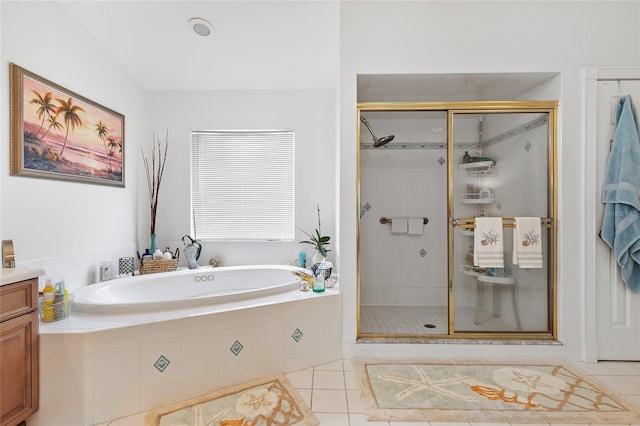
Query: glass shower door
[500, 168]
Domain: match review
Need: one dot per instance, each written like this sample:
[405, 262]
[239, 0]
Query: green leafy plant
[317, 239]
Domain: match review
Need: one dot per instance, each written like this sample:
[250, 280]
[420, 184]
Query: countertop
[13, 275]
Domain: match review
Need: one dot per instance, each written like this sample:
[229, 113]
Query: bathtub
[186, 288]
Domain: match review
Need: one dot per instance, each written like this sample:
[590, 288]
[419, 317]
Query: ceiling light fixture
[202, 27]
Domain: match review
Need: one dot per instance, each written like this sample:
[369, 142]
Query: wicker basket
[151, 266]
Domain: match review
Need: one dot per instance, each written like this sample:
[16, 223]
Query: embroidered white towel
[527, 242]
[488, 247]
[398, 225]
[415, 226]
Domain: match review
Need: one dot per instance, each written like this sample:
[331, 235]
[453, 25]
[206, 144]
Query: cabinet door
[19, 368]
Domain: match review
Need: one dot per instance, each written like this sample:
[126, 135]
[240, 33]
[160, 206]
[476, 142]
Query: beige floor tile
[350, 380]
[348, 366]
[328, 401]
[623, 368]
[306, 395]
[620, 384]
[301, 379]
[328, 380]
[361, 420]
[355, 404]
[333, 419]
[332, 366]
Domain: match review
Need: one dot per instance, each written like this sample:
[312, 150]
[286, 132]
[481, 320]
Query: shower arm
[366, 123]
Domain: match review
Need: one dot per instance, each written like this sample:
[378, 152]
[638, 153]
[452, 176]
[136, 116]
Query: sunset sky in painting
[84, 135]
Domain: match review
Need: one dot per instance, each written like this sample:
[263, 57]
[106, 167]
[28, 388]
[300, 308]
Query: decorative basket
[153, 266]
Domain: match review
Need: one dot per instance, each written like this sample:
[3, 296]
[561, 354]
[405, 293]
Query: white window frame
[243, 185]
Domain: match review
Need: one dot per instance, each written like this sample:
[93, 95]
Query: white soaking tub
[186, 288]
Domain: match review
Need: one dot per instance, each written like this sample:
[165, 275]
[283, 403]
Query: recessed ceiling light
[202, 27]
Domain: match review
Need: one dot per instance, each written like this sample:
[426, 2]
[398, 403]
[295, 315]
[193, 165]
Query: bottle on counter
[466, 158]
[48, 299]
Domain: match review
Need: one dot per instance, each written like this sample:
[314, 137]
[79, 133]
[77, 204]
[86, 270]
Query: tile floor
[330, 390]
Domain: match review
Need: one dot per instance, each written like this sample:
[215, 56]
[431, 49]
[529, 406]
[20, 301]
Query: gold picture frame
[58, 134]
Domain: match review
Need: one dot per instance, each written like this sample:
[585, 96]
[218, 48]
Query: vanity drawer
[18, 299]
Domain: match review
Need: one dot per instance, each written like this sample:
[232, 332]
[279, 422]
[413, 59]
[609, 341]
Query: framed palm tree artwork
[58, 134]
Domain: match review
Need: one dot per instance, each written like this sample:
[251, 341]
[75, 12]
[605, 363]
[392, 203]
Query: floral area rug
[265, 402]
[487, 393]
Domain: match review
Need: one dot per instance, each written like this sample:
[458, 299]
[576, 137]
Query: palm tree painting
[58, 134]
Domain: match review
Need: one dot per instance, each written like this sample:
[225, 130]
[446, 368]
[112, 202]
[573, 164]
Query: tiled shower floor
[398, 320]
[395, 319]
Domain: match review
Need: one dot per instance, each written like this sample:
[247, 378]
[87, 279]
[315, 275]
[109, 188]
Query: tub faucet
[8, 256]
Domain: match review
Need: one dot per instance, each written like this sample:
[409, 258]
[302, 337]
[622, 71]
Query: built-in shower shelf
[478, 168]
[475, 198]
[467, 232]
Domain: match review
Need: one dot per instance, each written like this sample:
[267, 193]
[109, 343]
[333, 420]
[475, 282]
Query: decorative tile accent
[422, 252]
[297, 335]
[441, 161]
[516, 131]
[236, 348]
[463, 145]
[162, 363]
[527, 146]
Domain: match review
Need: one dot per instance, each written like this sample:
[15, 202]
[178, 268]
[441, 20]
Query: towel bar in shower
[507, 222]
[385, 220]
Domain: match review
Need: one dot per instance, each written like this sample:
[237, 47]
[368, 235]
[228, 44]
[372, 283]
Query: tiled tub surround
[95, 368]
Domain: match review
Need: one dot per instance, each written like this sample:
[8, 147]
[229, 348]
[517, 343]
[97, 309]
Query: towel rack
[507, 222]
[385, 220]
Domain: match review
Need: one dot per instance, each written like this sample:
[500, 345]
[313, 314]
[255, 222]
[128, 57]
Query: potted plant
[318, 241]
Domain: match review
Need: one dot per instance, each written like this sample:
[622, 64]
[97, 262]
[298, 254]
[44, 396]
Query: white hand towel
[415, 226]
[488, 247]
[398, 225]
[527, 242]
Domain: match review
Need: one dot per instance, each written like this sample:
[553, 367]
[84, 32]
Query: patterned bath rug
[269, 401]
[487, 393]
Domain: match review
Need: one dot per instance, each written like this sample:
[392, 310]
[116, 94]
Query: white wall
[67, 227]
[311, 114]
[467, 37]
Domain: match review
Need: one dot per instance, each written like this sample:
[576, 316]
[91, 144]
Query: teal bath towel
[621, 194]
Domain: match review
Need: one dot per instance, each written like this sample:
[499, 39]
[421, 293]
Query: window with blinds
[242, 184]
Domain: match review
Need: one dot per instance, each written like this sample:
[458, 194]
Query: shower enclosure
[419, 193]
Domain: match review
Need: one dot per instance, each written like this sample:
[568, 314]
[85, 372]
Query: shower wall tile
[368, 296]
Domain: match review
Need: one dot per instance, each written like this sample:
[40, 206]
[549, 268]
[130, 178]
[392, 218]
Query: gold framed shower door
[550, 108]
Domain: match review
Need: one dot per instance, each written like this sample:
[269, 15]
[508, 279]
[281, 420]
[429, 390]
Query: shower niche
[439, 166]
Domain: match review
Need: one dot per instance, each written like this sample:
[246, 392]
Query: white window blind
[242, 184]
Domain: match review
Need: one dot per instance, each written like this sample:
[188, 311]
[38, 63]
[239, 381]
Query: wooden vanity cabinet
[19, 385]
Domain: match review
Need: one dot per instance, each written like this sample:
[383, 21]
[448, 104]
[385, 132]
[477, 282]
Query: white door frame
[591, 77]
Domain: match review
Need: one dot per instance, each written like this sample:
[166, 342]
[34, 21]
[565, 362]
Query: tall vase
[316, 257]
[190, 253]
[153, 247]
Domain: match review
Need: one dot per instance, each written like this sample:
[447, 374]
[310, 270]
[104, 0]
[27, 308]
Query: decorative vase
[316, 257]
[153, 247]
[190, 253]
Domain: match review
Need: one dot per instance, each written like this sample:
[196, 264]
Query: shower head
[377, 142]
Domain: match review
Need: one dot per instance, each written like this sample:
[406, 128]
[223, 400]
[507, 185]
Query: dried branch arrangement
[154, 171]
